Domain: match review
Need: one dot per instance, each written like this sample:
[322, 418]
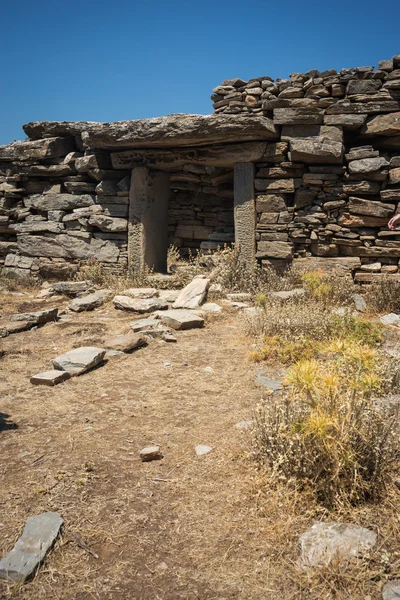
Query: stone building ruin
[305, 169]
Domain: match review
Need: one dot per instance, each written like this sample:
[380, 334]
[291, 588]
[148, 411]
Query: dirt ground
[184, 527]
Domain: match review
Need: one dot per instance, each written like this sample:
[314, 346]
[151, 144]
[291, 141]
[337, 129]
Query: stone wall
[332, 182]
[60, 206]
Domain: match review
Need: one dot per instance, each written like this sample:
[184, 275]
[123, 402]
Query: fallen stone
[125, 343]
[288, 295]
[359, 303]
[16, 327]
[40, 533]
[390, 319]
[169, 295]
[79, 360]
[266, 382]
[143, 293]
[142, 324]
[239, 296]
[324, 542]
[37, 318]
[201, 449]
[391, 590]
[151, 453]
[71, 288]
[193, 295]
[138, 305]
[180, 319]
[90, 302]
[52, 377]
[244, 425]
[211, 307]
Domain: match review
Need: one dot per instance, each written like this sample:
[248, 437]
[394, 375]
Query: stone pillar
[148, 220]
[244, 211]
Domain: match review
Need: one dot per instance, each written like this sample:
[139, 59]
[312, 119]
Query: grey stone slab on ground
[211, 307]
[359, 303]
[38, 318]
[79, 360]
[141, 293]
[193, 295]
[126, 343]
[140, 305]
[40, 533]
[71, 288]
[90, 302]
[151, 453]
[169, 295]
[180, 319]
[288, 295]
[146, 323]
[391, 319]
[266, 382]
[324, 542]
[51, 378]
[391, 591]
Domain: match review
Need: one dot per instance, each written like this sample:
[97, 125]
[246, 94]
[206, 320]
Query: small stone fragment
[40, 533]
[391, 590]
[266, 382]
[211, 307]
[151, 453]
[201, 449]
[38, 318]
[142, 324]
[51, 378]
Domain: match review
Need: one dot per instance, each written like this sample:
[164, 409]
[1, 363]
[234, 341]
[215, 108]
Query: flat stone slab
[17, 326]
[52, 377]
[391, 319]
[266, 382]
[141, 324]
[90, 302]
[169, 295]
[40, 533]
[391, 590]
[141, 293]
[159, 333]
[126, 343]
[202, 449]
[71, 288]
[139, 305]
[324, 542]
[37, 318]
[180, 319]
[79, 360]
[151, 453]
[193, 295]
[211, 307]
[288, 295]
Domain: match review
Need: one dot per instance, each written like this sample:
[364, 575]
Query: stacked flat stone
[332, 182]
[60, 205]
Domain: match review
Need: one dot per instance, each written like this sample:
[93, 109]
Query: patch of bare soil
[184, 527]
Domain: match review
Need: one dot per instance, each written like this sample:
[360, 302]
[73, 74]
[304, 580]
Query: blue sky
[128, 59]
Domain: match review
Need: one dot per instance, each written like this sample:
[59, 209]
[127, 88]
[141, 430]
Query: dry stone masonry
[300, 168]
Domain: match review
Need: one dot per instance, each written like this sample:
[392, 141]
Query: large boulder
[90, 302]
[359, 206]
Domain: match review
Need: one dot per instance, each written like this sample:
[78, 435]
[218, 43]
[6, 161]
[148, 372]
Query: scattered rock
[211, 307]
[193, 295]
[52, 377]
[296, 293]
[244, 425]
[71, 288]
[390, 319]
[391, 590]
[266, 382]
[16, 327]
[359, 303]
[169, 295]
[138, 305]
[180, 319]
[126, 343]
[143, 293]
[90, 302]
[40, 533]
[239, 297]
[201, 449]
[324, 542]
[141, 324]
[238, 305]
[208, 370]
[151, 453]
[79, 360]
[37, 318]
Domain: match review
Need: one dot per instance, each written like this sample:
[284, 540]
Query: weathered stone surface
[391, 319]
[142, 293]
[346, 121]
[50, 378]
[172, 130]
[325, 542]
[367, 165]
[360, 303]
[46, 202]
[140, 305]
[391, 590]
[211, 307]
[383, 125]
[275, 186]
[125, 343]
[79, 360]
[66, 246]
[40, 533]
[298, 116]
[274, 250]
[38, 318]
[181, 319]
[359, 206]
[36, 150]
[193, 295]
[151, 453]
[316, 150]
[347, 220]
[142, 324]
[202, 449]
[288, 295]
[111, 224]
[270, 203]
[90, 302]
[71, 288]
